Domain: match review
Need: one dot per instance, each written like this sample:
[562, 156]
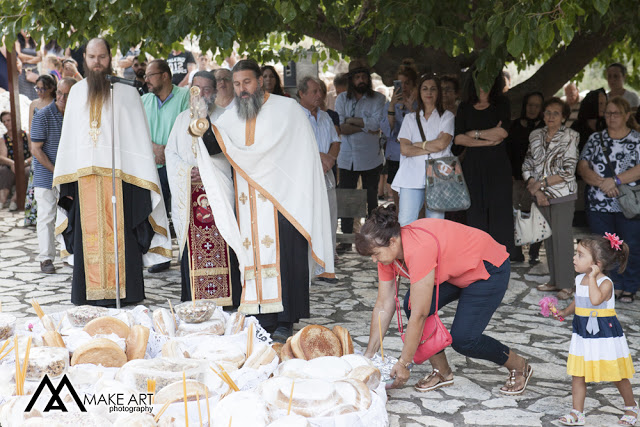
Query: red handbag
[435, 336]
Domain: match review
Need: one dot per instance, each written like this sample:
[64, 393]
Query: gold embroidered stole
[207, 251]
[96, 216]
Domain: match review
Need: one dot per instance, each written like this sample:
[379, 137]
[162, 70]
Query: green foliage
[490, 32]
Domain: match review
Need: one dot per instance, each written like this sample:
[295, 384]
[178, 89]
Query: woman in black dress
[482, 125]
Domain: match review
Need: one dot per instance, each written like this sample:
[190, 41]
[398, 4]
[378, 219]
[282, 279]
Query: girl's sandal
[510, 384]
[630, 420]
[442, 382]
[574, 418]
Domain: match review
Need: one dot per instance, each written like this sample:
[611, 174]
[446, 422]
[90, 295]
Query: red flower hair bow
[614, 240]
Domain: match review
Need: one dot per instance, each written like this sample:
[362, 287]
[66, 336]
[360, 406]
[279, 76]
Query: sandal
[630, 420]
[626, 297]
[442, 382]
[574, 418]
[547, 287]
[526, 373]
[565, 294]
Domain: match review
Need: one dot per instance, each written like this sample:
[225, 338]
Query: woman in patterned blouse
[611, 158]
[549, 170]
[7, 164]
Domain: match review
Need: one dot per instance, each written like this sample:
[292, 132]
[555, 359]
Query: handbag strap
[606, 152]
[424, 138]
[437, 280]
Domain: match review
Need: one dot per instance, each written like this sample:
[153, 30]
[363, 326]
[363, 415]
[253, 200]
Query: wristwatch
[407, 366]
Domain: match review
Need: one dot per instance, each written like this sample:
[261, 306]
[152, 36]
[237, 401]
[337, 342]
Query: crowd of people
[245, 175]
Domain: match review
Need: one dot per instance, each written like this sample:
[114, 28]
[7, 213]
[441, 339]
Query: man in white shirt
[616, 77]
[311, 98]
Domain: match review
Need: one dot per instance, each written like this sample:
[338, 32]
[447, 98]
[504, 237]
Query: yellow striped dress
[599, 350]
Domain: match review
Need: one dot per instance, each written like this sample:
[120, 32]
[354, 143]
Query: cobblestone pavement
[474, 398]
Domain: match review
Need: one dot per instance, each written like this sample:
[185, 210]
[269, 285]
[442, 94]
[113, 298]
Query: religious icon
[203, 211]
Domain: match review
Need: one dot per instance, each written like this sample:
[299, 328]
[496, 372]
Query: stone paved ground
[474, 399]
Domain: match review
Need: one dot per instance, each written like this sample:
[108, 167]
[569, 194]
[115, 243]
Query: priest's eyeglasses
[148, 76]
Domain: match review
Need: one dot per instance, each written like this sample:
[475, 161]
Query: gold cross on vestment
[246, 243]
[267, 241]
[94, 131]
[243, 198]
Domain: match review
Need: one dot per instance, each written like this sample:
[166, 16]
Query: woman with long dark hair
[590, 116]
[481, 126]
[271, 80]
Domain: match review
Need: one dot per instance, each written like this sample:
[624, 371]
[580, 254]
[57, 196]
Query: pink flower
[615, 241]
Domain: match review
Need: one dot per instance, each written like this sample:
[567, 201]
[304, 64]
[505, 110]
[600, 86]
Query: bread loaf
[242, 408]
[107, 325]
[81, 315]
[286, 353]
[174, 349]
[368, 375]
[174, 392]
[315, 341]
[137, 342]
[262, 355]
[100, 351]
[163, 322]
[345, 339]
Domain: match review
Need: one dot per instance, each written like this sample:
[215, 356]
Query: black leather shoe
[282, 333]
[159, 267]
[534, 261]
[332, 280]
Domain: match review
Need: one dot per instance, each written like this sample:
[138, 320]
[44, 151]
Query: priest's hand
[195, 174]
[158, 153]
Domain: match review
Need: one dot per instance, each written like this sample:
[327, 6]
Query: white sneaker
[13, 206]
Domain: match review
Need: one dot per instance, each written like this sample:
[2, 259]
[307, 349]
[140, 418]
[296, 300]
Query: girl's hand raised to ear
[595, 270]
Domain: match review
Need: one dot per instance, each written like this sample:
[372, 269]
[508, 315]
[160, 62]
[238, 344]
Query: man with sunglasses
[162, 104]
[45, 138]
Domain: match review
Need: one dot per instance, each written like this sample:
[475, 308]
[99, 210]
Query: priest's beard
[248, 108]
[98, 85]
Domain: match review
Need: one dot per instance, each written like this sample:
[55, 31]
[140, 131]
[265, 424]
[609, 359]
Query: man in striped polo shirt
[45, 137]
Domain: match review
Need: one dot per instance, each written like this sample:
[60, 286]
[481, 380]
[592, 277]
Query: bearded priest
[282, 233]
[208, 265]
[82, 175]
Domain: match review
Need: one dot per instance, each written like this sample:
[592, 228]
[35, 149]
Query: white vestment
[277, 169]
[79, 155]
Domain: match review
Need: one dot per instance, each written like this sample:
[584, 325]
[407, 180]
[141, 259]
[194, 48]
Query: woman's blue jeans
[476, 305]
[411, 201]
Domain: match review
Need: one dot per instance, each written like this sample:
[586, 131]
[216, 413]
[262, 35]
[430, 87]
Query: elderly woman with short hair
[549, 170]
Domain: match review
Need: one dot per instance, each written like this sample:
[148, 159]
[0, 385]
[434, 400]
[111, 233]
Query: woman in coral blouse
[474, 270]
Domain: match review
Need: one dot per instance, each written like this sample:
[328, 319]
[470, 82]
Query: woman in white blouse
[438, 127]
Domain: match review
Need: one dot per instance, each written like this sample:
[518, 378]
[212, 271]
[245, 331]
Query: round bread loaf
[137, 342]
[242, 408]
[345, 339]
[293, 368]
[100, 351]
[329, 368]
[311, 397]
[107, 325]
[163, 322]
[214, 352]
[356, 360]
[277, 347]
[214, 326]
[316, 341]
[367, 374]
[174, 349]
[174, 392]
[286, 353]
[262, 354]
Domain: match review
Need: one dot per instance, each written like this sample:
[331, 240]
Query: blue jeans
[411, 201]
[476, 305]
[629, 231]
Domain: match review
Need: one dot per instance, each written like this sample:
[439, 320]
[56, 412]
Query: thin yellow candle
[230, 419]
[15, 346]
[291, 397]
[206, 394]
[380, 332]
[161, 411]
[199, 413]
[184, 390]
[25, 363]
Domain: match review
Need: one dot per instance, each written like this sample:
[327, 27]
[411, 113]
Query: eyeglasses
[147, 76]
[62, 94]
[552, 113]
[39, 89]
[613, 114]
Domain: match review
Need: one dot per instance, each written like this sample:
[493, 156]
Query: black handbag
[445, 188]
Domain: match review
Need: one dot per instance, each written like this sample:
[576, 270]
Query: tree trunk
[16, 134]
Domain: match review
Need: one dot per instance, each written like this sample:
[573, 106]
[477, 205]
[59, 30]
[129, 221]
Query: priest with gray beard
[83, 178]
[275, 212]
[208, 267]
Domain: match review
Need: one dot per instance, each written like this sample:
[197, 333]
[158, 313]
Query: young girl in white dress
[598, 350]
